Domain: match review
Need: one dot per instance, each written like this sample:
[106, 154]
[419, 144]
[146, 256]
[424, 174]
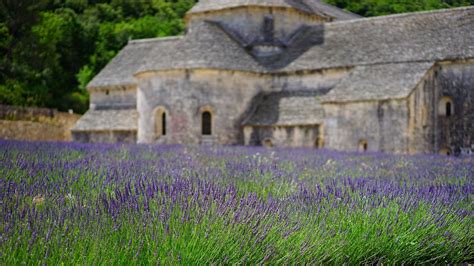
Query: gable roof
[288, 108]
[206, 46]
[119, 71]
[314, 7]
[108, 120]
[416, 37]
[425, 36]
[378, 82]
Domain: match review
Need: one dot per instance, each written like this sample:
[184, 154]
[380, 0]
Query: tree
[51, 49]
[369, 8]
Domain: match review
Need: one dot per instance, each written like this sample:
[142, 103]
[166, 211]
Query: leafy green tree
[61, 48]
[51, 49]
[155, 18]
[368, 8]
[17, 51]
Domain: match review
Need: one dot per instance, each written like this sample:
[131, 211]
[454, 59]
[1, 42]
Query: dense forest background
[51, 49]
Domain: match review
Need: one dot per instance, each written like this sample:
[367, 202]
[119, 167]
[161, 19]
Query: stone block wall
[106, 137]
[249, 20]
[430, 130]
[283, 136]
[417, 124]
[421, 117]
[35, 124]
[113, 98]
[454, 132]
[382, 125]
[186, 94]
[230, 96]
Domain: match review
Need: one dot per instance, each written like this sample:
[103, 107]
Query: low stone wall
[105, 136]
[35, 124]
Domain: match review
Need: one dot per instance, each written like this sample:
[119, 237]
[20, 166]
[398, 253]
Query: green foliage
[51, 49]
[369, 8]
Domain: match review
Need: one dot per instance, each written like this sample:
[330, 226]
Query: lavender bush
[117, 204]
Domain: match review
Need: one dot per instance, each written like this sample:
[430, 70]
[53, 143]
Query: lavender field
[118, 204]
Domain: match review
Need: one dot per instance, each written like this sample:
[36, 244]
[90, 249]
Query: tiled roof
[108, 120]
[288, 108]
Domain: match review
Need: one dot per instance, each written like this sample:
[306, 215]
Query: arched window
[206, 123]
[163, 124]
[363, 145]
[446, 107]
[160, 122]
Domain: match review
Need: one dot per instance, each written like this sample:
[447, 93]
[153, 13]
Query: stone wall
[106, 136]
[381, 124]
[283, 136]
[186, 94]
[430, 130]
[113, 98]
[455, 82]
[421, 117]
[248, 20]
[413, 125]
[230, 96]
[35, 124]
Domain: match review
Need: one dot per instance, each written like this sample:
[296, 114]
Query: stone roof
[206, 46]
[119, 71]
[378, 82]
[108, 120]
[423, 36]
[416, 37]
[288, 108]
[307, 6]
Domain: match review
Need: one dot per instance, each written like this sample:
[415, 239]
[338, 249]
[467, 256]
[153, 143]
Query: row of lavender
[84, 204]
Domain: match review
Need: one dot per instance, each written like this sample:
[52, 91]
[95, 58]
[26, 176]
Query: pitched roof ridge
[403, 15]
[364, 82]
[157, 39]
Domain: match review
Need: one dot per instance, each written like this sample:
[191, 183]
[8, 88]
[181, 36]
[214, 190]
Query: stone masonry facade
[293, 74]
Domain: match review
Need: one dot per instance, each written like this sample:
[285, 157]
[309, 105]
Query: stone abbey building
[296, 73]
